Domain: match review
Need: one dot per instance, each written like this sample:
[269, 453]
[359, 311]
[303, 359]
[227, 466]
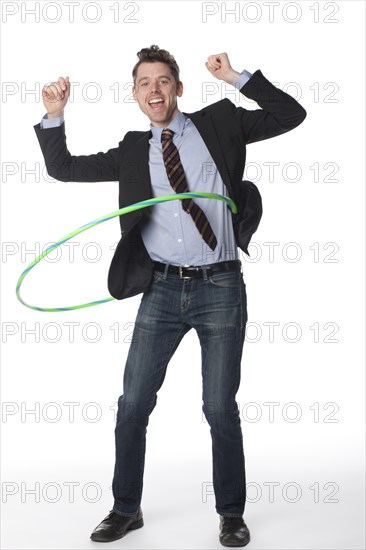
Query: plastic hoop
[121, 212]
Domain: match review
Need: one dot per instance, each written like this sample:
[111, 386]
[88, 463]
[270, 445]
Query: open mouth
[156, 104]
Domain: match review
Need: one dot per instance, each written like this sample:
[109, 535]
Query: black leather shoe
[233, 531]
[115, 526]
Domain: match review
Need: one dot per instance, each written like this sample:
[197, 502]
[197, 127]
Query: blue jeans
[216, 307]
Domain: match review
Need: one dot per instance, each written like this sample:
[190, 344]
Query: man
[182, 255]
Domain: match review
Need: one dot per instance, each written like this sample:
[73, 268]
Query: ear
[180, 89]
[134, 93]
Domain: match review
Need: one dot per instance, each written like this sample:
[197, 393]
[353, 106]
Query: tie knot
[166, 134]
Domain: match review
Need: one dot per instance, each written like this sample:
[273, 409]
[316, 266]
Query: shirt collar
[176, 125]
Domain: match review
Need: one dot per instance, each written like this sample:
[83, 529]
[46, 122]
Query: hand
[55, 96]
[219, 66]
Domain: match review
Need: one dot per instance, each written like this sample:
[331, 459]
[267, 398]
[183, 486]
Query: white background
[305, 464]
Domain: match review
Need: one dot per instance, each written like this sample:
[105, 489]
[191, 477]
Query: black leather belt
[188, 272]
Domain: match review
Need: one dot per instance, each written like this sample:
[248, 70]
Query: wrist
[56, 114]
[232, 76]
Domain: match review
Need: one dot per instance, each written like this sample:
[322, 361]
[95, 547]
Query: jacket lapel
[206, 127]
[141, 154]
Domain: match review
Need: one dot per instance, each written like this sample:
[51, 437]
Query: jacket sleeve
[279, 111]
[63, 166]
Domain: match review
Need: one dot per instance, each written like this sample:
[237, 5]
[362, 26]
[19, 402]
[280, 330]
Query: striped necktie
[177, 179]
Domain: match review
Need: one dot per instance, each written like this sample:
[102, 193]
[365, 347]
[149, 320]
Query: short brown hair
[155, 54]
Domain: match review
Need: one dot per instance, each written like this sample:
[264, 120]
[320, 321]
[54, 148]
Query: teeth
[156, 101]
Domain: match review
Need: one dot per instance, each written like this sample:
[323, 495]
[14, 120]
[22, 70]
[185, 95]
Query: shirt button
[176, 215]
[179, 240]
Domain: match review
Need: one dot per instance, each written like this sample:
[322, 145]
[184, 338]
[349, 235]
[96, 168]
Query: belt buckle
[181, 276]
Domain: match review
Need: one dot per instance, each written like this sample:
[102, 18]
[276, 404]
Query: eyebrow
[160, 76]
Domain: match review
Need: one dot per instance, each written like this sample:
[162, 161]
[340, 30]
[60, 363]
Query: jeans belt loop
[166, 269]
[204, 271]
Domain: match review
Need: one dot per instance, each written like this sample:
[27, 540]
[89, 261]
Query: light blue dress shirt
[169, 233]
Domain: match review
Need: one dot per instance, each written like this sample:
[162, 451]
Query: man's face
[156, 92]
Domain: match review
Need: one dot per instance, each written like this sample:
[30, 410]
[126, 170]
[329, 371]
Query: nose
[155, 85]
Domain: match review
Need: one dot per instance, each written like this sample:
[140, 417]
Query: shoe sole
[133, 526]
[234, 545]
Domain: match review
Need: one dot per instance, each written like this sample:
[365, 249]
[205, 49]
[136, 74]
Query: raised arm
[60, 164]
[279, 111]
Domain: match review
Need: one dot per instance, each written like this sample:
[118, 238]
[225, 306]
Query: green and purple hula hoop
[121, 212]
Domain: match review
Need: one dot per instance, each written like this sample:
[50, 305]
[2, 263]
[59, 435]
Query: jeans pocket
[225, 279]
[157, 276]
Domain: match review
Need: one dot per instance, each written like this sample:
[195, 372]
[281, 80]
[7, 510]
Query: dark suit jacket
[225, 129]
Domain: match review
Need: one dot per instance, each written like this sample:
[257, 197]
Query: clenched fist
[219, 66]
[55, 96]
